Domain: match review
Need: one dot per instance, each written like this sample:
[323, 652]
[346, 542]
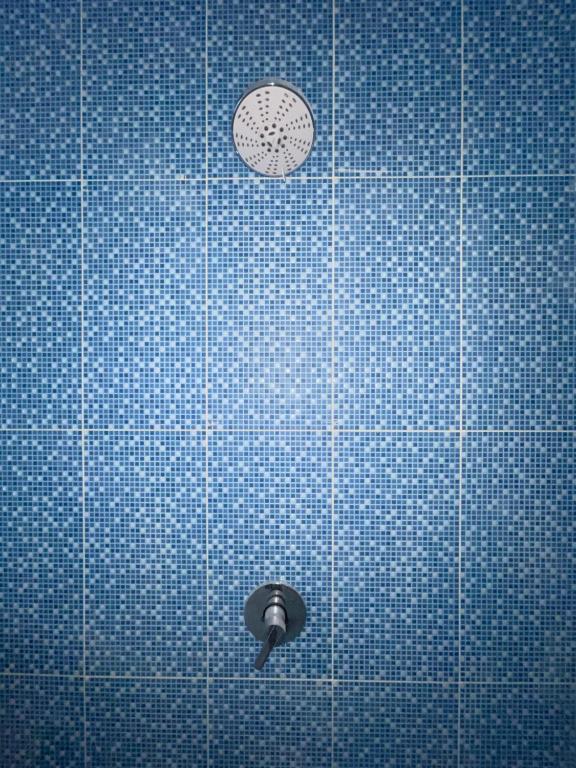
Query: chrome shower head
[273, 128]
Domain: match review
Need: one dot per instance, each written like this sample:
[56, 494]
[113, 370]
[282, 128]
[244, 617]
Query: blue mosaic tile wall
[360, 381]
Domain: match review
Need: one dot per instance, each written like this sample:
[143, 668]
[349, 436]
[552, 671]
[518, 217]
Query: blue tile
[522, 726]
[144, 305]
[258, 724]
[41, 544]
[520, 304]
[144, 88]
[251, 40]
[519, 559]
[40, 311]
[152, 723]
[396, 568]
[40, 89]
[520, 86]
[397, 316]
[146, 571]
[269, 521]
[269, 304]
[398, 86]
[41, 722]
[395, 726]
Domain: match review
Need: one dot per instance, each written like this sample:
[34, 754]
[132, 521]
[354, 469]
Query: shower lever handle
[273, 637]
[275, 622]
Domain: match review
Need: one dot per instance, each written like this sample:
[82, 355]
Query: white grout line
[55, 430]
[268, 430]
[287, 679]
[340, 175]
[287, 430]
[377, 175]
[41, 181]
[333, 395]
[514, 431]
[376, 682]
[461, 391]
[82, 393]
[206, 382]
[42, 675]
[536, 175]
[146, 430]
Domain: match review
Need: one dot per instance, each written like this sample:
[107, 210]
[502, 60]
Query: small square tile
[398, 86]
[40, 89]
[518, 558]
[520, 86]
[41, 722]
[40, 310]
[269, 304]
[41, 545]
[269, 521]
[397, 315]
[259, 39]
[152, 723]
[146, 572]
[254, 724]
[144, 89]
[396, 566]
[395, 725]
[144, 305]
[520, 304]
[524, 726]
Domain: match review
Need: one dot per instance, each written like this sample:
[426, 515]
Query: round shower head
[273, 128]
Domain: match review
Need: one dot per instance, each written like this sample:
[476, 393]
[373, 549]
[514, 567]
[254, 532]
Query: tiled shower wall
[361, 381]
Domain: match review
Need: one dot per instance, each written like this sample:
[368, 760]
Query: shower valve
[274, 614]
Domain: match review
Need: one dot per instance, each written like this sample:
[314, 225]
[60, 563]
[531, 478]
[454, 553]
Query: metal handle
[274, 637]
[275, 622]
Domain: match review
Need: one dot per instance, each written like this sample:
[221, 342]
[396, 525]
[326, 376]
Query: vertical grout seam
[333, 395]
[82, 393]
[206, 400]
[461, 390]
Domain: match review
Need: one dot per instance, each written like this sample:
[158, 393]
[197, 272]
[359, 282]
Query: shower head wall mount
[273, 128]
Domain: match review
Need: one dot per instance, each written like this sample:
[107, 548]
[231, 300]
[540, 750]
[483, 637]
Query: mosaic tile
[41, 545]
[396, 539]
[40, 308]
[39, 89]
[520, 304]
[253, 40]
[397, 316]
[144, 305]
[267, 369]
[41, 722]
[521, 726]
[398, 86]
[256, 724]
[269, 304]
[395, 726]
[269, 521]
[520, 86]
[519, 559]
[146, 571]
[144, 88]
[152, 723]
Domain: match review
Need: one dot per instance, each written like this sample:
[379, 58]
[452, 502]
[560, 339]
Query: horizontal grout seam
[326, 680]
[340, 176]
[288, 430]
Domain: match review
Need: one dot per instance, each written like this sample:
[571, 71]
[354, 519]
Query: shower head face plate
[273, 128]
